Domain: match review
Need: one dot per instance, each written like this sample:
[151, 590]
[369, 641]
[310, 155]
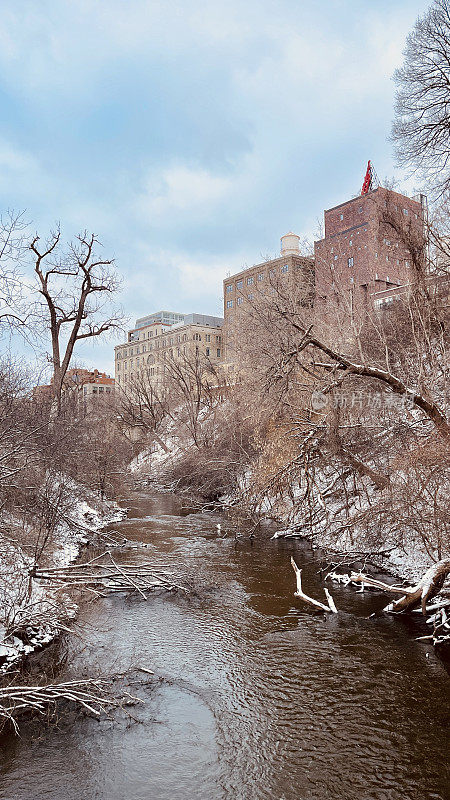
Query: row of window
[251, 279]
[240, 300]
[101, 389]
[350, 261]
[197, 337]
[151, 360]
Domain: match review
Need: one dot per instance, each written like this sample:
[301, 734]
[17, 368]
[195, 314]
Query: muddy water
[260, 697]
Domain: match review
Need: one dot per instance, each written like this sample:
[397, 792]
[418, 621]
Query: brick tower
[362, 252]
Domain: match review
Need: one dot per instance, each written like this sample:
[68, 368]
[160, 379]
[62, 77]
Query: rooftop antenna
[371, 181]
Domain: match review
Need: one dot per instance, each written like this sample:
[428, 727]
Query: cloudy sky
[191, 135]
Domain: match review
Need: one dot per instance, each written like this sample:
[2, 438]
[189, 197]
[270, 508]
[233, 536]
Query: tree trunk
[428, 586]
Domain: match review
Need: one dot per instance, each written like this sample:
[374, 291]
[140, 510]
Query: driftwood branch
[413, 596]
[316, 603]
[92, 694]
[103, 574]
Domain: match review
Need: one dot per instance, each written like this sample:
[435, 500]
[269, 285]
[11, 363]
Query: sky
[189, 136]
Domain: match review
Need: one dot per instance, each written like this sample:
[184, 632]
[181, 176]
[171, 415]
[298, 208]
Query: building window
[207, 351]
[218, 352]
[208, 337]
[260, 276]
[406, 212]
[341, 217]
[250, 280]
[350, 262]
[240, 300]
[218, 338]
[250, 297]
[239, 284]
[335, 258]
[229, 287]
[229, 304]
[285, 268]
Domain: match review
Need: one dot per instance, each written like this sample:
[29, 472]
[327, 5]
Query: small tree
[77, 287]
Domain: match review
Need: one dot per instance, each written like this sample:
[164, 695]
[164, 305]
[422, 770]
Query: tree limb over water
[103, 574]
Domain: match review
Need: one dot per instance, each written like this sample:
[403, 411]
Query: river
[257, 695]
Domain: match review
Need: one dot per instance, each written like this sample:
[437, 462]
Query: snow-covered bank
[32, 615]
[348, 520]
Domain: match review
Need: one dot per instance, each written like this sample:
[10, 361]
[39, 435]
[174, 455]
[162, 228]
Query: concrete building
[362, 252]
[151, 344]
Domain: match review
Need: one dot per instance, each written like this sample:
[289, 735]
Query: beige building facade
[156, 342]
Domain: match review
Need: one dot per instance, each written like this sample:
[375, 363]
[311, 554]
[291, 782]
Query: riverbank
[343, 529]
[31, 614]
[254, 696]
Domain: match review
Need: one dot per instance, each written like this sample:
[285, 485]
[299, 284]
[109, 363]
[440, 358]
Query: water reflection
[260, 696]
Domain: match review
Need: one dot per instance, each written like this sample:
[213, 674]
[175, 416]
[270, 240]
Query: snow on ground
[31, 615]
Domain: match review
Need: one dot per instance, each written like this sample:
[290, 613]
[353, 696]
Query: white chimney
[290, 244]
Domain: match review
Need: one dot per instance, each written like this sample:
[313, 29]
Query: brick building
[362, 252]
[83, 385]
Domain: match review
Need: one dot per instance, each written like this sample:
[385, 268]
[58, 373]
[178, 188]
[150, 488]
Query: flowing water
[259, 696]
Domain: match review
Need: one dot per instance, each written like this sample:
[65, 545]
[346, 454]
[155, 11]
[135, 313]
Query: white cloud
[182, 189]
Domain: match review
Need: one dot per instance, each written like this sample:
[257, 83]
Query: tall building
[364, 250]
[152, 344]
[246, 286]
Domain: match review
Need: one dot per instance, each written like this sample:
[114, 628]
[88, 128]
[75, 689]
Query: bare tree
[77, 287]
[142, 407]
[422, 105]
[192, 382]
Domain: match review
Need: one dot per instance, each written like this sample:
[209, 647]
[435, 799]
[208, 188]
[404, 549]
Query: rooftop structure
[164, 317]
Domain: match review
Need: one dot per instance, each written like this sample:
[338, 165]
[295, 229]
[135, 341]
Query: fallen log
[411, 597]
[331, 607]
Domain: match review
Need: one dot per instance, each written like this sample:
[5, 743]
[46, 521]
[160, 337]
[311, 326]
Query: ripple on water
[261, 698]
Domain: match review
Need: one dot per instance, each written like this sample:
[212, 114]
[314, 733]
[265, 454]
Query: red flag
[367, 185]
